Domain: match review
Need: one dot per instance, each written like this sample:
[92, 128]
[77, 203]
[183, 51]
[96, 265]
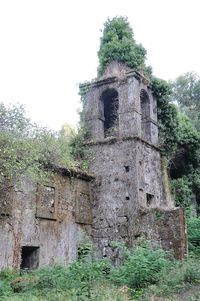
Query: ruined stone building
[127, 196]
[42, 224]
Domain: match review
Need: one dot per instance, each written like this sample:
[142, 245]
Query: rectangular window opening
[29, 257]
[127, 168]
[149, 199]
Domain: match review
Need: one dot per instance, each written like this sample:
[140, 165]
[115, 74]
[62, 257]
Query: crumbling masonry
[127, 196]
[131, 193]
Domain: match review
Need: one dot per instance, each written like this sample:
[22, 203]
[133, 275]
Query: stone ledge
[111, 140]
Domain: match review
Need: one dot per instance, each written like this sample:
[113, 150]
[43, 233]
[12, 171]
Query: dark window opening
[30, 257]
[127, 168]
[111, 115]
[149, 199]
[145, 117]
[136, 236]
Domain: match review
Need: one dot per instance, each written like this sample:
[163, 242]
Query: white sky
[47, 47]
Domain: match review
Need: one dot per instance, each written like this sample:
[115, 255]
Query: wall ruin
[44, 223]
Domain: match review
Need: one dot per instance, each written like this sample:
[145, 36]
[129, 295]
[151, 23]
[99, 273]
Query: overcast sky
[47, 47]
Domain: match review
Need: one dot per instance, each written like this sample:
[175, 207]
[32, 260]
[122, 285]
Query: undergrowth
[144, 271]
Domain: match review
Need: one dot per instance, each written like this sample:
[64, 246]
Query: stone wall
[42, 224]
[166, 227]
[128, 181]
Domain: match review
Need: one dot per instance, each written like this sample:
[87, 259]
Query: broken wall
[166, 227]
[45, 222]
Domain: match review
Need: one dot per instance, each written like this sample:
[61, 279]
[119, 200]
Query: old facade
[42, 224]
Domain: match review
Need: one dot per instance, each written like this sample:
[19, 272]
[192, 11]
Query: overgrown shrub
[179, 276]
[141, 267]
[194, 234]
[79, 150]
[77, 281]
[182, 189]
[28, 149]
[118, 44]
[145, 270]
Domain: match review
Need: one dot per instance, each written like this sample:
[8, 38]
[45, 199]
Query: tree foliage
[167, 117]
[186, 92]
[26, 148]
[185, 161]
[118, 44]
[182, 189]
[194, 234]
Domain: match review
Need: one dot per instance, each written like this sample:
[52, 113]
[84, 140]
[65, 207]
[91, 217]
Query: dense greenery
[167, 117]
[96, 280]
[194, 234]
[27, 149]
[118, 44]
[142, 266]
[186, 92]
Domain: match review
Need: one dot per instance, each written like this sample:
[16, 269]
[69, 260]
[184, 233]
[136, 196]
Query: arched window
[145, 117]
[111, 115]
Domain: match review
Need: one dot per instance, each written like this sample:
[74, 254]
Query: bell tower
[121, 120]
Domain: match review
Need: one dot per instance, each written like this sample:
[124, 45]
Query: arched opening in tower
[145, 115]
[110, 101]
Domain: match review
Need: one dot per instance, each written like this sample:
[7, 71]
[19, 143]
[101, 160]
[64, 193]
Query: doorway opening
[29, 257]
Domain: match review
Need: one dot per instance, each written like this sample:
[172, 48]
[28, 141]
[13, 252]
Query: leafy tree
[118, 44]
[182, 189]
[194, 234]
[26, 148]
[186, 92]
[168, 122]
[185, 165]
[67, 131]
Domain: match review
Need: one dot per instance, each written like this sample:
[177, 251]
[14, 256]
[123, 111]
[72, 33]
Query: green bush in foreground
[180, 276]
[141, 267]
[145, 271]
[75, 282]
[194, 235]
